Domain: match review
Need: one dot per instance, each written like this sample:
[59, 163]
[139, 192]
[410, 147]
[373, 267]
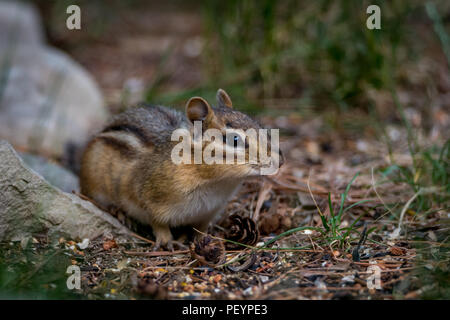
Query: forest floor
[329, 225]
[370, 239]
[337, 218]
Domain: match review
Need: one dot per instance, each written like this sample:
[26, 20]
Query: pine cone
[242, 230]
[208, 251]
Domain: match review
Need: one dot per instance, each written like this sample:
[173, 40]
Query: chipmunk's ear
[197, 109]
[223, 99]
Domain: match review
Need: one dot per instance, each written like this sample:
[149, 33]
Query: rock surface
[29, 205]
[47, 100]
[20, 24]
[52, 172]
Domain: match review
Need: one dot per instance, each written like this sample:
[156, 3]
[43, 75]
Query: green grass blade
[344, 197]
[357, 203]
[289, 232]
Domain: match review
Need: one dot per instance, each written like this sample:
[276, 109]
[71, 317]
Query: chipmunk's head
[233, 145]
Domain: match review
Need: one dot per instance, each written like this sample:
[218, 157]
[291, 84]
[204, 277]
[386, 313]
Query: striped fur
[128, 166]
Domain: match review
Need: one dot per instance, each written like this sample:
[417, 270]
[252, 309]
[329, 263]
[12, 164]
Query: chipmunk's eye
[233, 140]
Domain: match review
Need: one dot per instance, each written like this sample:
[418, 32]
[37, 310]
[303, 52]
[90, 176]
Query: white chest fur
[204, 203]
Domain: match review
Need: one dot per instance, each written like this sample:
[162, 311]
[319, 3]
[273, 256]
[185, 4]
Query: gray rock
[52, 172]
[20, 24]
[29, 205]
[47, 100]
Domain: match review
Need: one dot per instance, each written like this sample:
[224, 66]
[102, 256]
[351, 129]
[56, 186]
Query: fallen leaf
[397, 251]
[107, 245]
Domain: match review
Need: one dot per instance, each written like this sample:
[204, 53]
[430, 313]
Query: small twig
[362, 240]
[156, 253]
[246, 265]
[396, 233]
[312, 196]
[287, 186]
[264, 191]
[406, 208]
[86, 198]
[176, 268]
[142, 238]
[264, 246]
[379, 197]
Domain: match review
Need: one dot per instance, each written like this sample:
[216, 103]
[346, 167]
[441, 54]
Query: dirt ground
[297, 266]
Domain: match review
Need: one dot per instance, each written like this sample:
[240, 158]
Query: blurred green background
[278, 56]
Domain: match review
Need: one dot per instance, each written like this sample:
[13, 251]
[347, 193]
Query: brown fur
[128, 165]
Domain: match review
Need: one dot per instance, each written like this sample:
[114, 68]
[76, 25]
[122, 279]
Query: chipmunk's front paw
[163, 238]
[180, 245]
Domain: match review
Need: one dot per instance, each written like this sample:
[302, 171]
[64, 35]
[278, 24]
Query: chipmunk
[129, 165]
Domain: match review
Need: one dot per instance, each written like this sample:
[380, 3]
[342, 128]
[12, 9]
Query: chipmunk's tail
[71, 158]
